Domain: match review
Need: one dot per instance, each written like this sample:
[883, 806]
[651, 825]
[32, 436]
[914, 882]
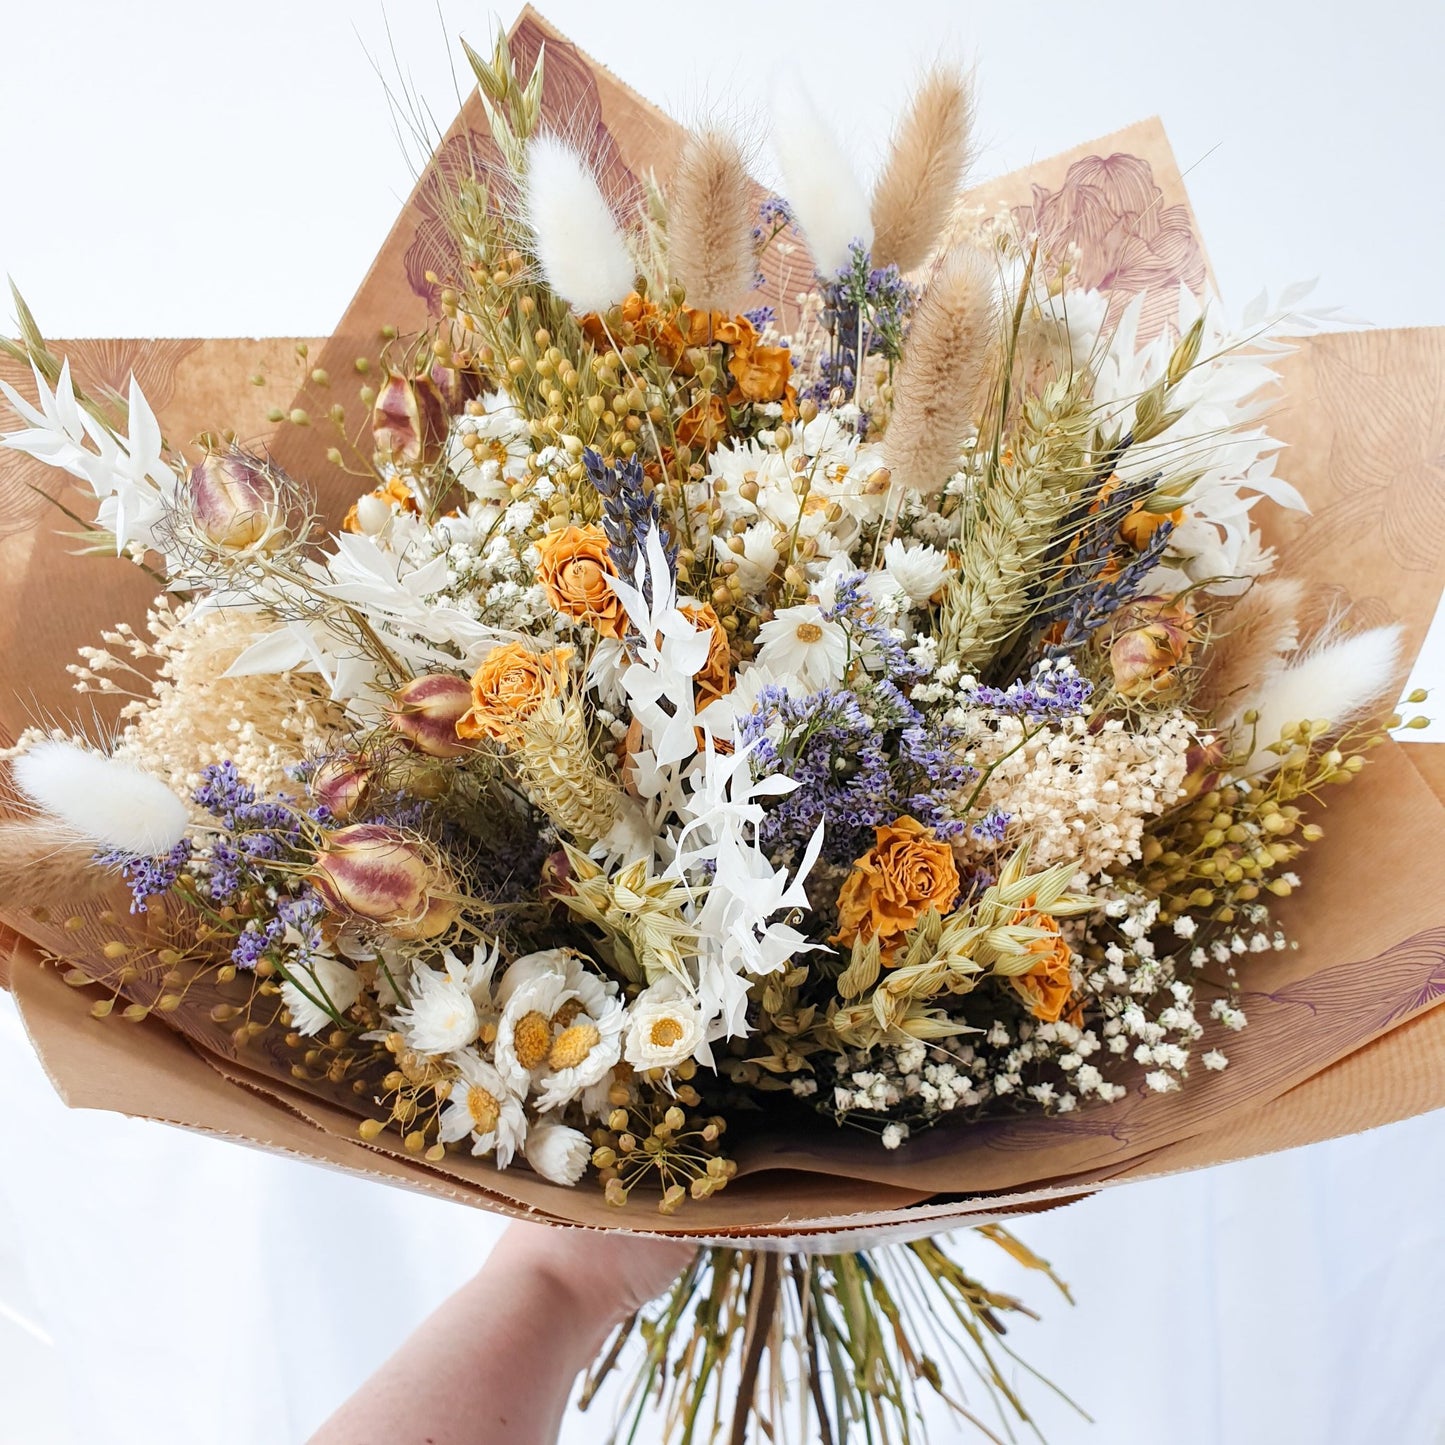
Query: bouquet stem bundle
[762, 1345]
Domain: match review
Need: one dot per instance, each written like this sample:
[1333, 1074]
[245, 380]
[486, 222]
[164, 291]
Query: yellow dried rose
[907, 871]
[508, 687]
[574, 567]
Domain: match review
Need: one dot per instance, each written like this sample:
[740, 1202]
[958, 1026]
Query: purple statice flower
[853, 608]
[146, 877]
[302, 913]
[630, 510]
[760, 316]
[992, 826]
[773, 215]
[1053, 690]
[866, 310]
[252, 832]
[859, 759]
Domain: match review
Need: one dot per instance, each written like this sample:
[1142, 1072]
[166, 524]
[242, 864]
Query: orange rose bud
[340, 785]
[235, 502]
[716, 678]
[1138, 528]
[409, 421]
[427, 712]
[508, 687]
[373, 873]
[1152, 636]
[906, 872]
[1049, 985]
[575, 565]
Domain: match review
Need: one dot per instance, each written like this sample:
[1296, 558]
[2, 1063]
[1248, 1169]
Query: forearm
[493, 1366]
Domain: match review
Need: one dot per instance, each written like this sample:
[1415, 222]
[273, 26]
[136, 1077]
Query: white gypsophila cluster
[491, 562]
[1078, 793]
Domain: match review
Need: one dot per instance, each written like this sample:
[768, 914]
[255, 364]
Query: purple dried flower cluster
[630, 510]
[302, 914]
[1095, 605]
[866, 310]
[859, 762]
[252, 833]
[148, 878]
[992, 826]
[1052, 691]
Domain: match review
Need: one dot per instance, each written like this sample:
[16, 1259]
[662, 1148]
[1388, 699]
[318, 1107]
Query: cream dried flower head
[318, 991]
[557, 1152]
[483, 1105]
[442, 1016]
[665, 1027]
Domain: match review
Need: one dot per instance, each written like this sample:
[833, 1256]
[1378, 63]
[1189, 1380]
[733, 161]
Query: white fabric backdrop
[174, 168]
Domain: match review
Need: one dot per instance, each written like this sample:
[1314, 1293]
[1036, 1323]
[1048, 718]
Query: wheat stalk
[553, 757]
[1009, 524]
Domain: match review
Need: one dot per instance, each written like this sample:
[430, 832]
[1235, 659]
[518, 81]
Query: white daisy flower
[557, 1152]
[322, 988]
[919, 571]
[529, 1023]
[533, 965]
[582, 1054]
[800, 642]
[483, 1106]
[443, 1016]
[665, 1026]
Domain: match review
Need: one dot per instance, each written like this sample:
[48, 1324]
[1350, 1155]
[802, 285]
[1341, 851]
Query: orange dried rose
[701, 329]
[760, 373]
[704, 423]
[716, 678]
[906, 872]
[574, 567]
[1049, 984]
[508, 687]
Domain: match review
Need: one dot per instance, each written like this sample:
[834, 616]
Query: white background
[192, 169]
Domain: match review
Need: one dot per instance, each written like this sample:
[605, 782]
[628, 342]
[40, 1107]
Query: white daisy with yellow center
[483, 1105]
[582, 1054]
[665, 1027]
[802, 642]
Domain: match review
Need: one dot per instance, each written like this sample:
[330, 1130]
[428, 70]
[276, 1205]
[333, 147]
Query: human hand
[606, 1276]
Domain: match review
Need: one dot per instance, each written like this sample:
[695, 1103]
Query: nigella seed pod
[1152, 637]
[456, 386]
[235, 502]
[409, 421]
[426, 712]
[373, 873]
[340, 785]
